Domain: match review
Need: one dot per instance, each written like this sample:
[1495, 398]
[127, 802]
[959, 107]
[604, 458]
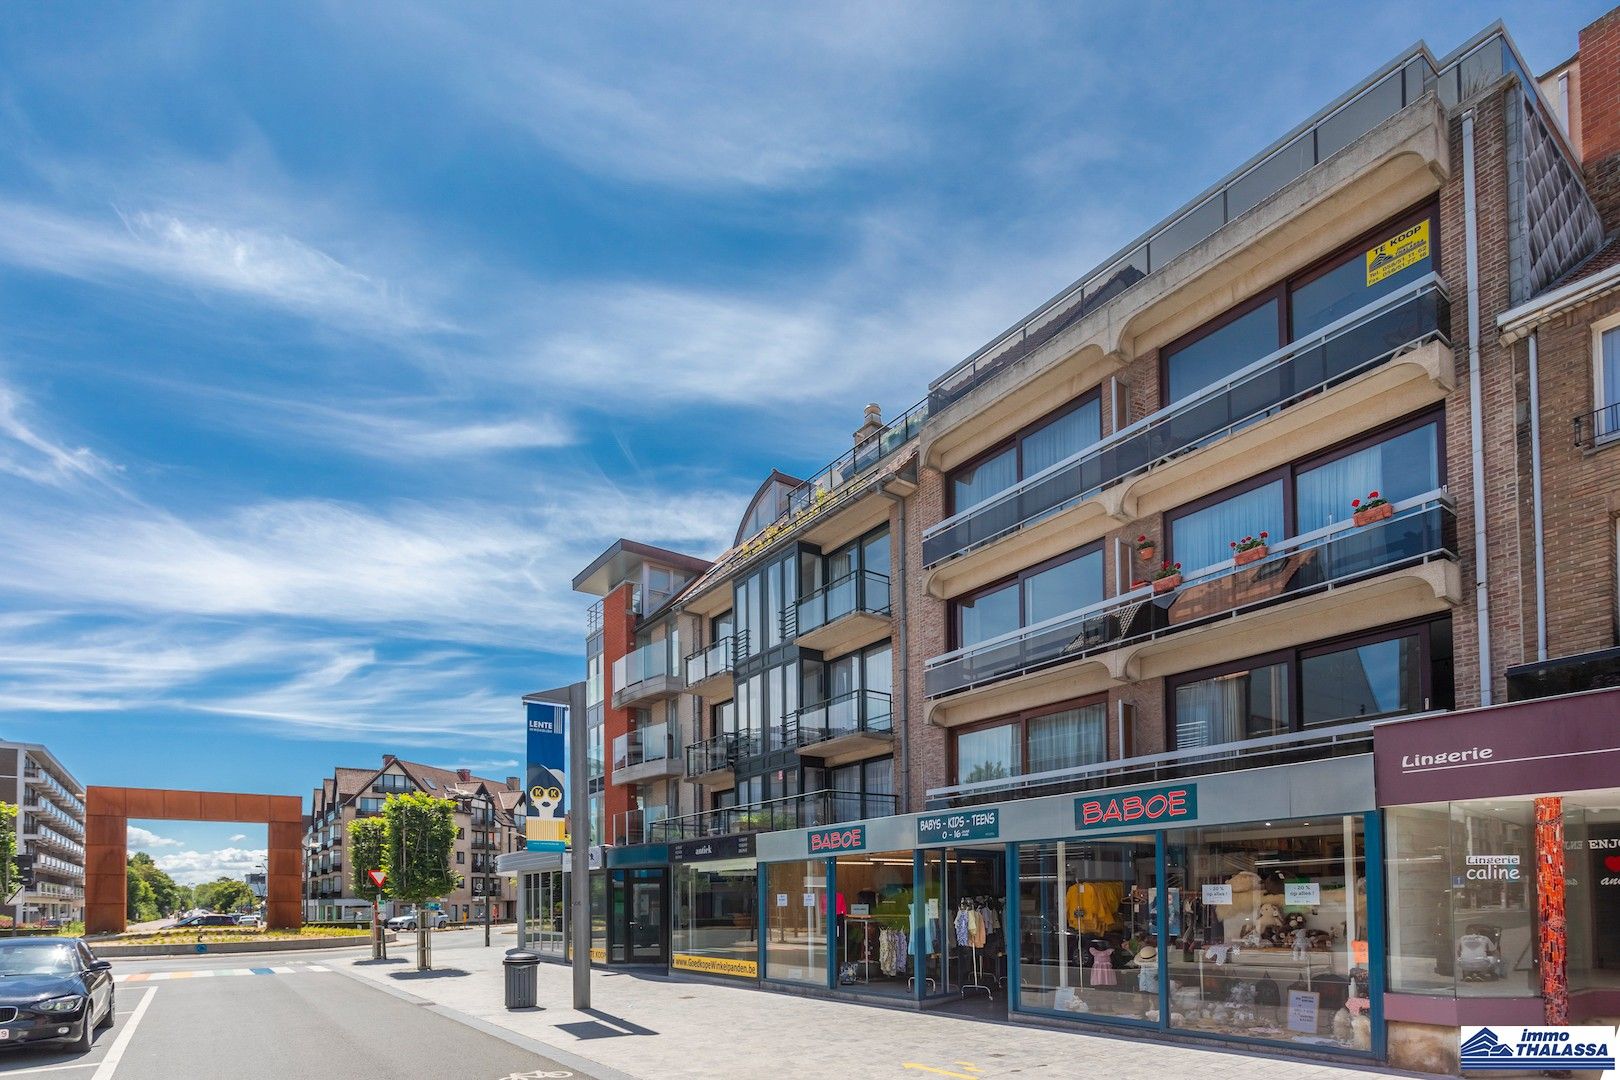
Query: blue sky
[335, 338]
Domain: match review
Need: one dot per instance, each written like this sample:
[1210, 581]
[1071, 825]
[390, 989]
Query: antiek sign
[1149, 806]
[847, 838]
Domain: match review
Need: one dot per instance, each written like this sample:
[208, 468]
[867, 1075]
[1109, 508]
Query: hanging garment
[962, 927]
[1093, 906]
[1102, 965]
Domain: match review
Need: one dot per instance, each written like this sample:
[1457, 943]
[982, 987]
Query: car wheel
[87, 1036]
[112, 1007]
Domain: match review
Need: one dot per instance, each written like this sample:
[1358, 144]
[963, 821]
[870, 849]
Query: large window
[1060, 737]
[1043, 444]
[1606, 381]
[1374, 265]
[1203, 537]
[715, 929]
[795, 923]
[1389, 672]
[1054, 588]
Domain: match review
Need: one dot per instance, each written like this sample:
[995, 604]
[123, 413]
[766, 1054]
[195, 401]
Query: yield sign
[377, 877]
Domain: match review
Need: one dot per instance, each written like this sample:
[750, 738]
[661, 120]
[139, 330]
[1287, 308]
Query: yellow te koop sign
[1404, 249]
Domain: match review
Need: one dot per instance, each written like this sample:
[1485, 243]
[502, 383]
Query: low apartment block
[50, 830]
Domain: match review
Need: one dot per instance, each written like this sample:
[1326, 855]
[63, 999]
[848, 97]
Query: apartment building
[1116, 681]
[50, 830]
[487, 814]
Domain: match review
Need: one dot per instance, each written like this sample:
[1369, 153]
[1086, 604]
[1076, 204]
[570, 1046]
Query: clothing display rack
[976, 919]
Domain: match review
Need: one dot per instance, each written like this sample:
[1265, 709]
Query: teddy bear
[1246, 896]
[1270, 917]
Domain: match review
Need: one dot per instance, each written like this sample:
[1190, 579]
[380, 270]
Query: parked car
[251, 918]
[55, 990]
[207, 919]
[409, 922]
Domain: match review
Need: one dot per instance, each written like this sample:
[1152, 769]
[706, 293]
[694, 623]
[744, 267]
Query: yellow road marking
[940, 1072]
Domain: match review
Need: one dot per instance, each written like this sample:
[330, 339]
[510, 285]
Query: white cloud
[238, 837]
[144, 839]
[31, 454]
[195, 867]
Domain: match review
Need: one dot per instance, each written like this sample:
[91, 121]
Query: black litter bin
[522, 979]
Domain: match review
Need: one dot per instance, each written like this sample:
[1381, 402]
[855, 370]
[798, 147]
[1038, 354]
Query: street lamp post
[489, 827]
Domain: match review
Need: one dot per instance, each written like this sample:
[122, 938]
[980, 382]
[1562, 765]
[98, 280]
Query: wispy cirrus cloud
[29, 452]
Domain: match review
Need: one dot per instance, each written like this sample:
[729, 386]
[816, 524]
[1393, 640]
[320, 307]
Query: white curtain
[1205, 537]
[1067, 739]
[1397, 468]
[986, 479]
[1211, 712]
[1064, 437]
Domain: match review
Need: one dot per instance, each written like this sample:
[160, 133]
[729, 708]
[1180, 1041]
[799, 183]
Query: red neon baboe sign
[849, 838]
[1148, 806]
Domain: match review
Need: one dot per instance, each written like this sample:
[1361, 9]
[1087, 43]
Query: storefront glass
[715, 928]
[1592, 892]
[1274, 936]
[545, 907]
[1462, 898]
[873, 928]
[1086, 928]
[796, 921]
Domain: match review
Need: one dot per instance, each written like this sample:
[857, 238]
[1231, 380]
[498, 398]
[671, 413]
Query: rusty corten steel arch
[106, 842]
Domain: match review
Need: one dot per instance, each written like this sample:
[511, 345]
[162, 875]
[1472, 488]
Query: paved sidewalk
[656, 1028]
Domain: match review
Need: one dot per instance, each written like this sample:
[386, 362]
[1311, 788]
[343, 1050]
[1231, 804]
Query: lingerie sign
[1147, 806]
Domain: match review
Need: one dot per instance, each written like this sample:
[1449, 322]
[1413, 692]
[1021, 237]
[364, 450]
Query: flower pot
[1165, 584]
[1249, 555]
[1146, 554]
[1377, 513]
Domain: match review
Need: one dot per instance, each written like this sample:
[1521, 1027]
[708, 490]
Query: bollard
[522, 979]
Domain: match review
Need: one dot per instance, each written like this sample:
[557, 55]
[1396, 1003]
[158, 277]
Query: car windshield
[17, 958]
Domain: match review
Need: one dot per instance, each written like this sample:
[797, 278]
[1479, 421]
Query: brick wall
[618, 638]
[1600, 113]
[926, 637]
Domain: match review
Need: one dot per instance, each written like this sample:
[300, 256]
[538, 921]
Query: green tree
[368, 842]
[10, 876]
[224, 894]
[165, 897]
[139, 905]
[420, 838]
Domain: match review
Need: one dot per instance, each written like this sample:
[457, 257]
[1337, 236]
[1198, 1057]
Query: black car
[53, 989]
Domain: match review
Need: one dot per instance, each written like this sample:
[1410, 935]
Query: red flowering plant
[1249, 543]
[1372, 502]
[1169, 569]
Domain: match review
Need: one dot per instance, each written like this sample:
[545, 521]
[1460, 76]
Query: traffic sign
[377, 877]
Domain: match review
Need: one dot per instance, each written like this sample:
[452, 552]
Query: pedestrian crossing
[216, 973]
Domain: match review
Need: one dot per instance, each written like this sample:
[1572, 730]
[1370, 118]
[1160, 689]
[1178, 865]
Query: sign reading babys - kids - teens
[546, 828]
[1149, 806]
[959, 825]
[839, 838]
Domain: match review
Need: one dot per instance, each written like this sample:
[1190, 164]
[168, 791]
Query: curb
[216, 948]
[592, 1070]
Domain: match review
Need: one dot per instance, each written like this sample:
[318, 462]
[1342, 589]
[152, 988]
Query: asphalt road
[277, 1017]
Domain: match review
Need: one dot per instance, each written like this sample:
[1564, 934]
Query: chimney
[1598, 90]
[464, 775]
[871, 425]
[513, 784]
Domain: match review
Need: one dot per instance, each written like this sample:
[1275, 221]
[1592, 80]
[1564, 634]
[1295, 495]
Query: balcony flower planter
[1145, 549]
[1250, 549]
[1167, 577]
[1373, 508]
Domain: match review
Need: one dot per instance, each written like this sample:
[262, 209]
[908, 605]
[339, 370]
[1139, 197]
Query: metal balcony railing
[825, 807]
[1598, 428]
[716, 659]
[1365, 339]
[859, 712]
[714, 754]
[33, 774]
[1423, 528]
[862, 590]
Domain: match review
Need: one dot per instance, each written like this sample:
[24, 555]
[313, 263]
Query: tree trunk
[424, 944]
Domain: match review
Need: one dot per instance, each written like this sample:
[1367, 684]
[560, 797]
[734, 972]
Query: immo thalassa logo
[1503, 1048]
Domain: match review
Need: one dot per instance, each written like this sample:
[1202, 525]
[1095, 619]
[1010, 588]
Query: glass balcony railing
[1359, 342]
[652, 661]
[825, 807]
[718, 659]
[654, 742]
[860, 712]
[1423, 528]
[636, 826]
[862, 590]
[714, 754]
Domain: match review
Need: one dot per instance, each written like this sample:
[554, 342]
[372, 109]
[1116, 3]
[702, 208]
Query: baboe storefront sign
[546, 827]
[838, 838]
[1147, 806]
[959, 825]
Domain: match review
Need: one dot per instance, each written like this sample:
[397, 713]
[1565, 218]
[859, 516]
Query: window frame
[1015, 441]
[1021, 720]
[1292, 658]
[1600, 327]
[1282, 290]
[953, 621]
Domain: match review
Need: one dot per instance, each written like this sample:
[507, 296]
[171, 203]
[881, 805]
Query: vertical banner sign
[546, 828]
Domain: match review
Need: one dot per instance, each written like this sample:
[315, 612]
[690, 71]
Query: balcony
[1350, 375]
[645, 754]
[36, 777]
[635, 826]
[842, 615]
[848, 727]
[708, 671]
[1360, 578]
[712, 762]
[41, 836]
[825, 807]
[647, 674]
[1598, 428]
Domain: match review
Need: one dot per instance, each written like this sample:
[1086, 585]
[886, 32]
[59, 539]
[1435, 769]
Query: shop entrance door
[639, 914]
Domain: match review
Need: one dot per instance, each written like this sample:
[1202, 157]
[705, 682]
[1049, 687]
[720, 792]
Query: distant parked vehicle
[251, 918]
[437, 920]
[210, 919]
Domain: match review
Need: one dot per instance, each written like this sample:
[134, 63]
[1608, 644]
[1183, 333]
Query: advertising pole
[579, 827]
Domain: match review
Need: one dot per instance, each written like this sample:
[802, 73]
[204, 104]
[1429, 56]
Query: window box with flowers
[1250, 549]
[1167, 577]
[1371, 509]
[1145, 548]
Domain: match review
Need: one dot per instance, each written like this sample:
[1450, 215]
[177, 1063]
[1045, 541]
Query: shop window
[1462, 898]
[715, 928]
[1592, 889]
[1046, 442]
[872, 928]
[1044, 591]
[1274, 940]
[1039, 741]
[1087, 920]
[796, 922]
